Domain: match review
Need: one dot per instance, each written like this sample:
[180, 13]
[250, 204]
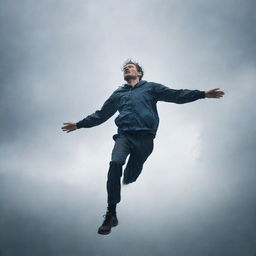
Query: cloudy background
[60, 60]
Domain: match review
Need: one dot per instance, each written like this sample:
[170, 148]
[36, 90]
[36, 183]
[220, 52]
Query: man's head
[132, 70]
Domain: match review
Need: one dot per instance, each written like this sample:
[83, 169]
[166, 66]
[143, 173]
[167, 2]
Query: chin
[129, 77]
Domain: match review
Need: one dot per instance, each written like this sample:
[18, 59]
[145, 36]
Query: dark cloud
[60, 61]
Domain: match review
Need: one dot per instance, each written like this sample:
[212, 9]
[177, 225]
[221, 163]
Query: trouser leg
[141, 150]
[119, 154]
[113, 182]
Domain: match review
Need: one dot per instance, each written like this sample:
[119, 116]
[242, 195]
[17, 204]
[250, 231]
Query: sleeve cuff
[79, 125]
[202, 94]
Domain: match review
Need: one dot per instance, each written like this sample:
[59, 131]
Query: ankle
[112, 208]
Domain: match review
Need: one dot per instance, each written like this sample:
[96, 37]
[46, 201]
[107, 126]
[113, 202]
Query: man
[137, 124]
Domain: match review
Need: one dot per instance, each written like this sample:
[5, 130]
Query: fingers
[214, 93]
[219, 95]
[65, 127]
[69, 123]
[68, 130]
[68, 127]
[213, 90]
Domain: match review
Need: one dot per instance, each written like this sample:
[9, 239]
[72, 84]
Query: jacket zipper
[130, 93]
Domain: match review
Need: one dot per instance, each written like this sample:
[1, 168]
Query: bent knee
[116, 162]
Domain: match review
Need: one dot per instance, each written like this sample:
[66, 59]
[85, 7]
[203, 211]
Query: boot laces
[107, 219]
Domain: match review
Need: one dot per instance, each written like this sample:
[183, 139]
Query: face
[130, 72]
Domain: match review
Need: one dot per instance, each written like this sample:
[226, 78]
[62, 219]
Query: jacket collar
[140, 83]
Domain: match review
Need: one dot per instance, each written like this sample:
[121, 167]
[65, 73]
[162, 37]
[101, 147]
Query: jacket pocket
[149, 120]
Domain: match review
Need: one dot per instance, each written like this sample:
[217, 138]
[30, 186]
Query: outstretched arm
[180, 96]
[100, 116]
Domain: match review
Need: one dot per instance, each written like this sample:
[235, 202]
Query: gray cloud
[60, 61]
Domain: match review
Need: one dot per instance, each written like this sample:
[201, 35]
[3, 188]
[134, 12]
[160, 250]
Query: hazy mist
[60, 60]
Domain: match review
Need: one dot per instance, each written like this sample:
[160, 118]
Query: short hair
[138, 67]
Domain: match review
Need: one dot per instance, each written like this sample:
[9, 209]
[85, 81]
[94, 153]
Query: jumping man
[137, 124]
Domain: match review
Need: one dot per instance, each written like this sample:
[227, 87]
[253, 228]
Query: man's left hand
[214, 93]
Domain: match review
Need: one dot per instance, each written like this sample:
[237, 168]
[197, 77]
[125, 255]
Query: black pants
[139, 145]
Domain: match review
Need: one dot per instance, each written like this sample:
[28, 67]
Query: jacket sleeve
[180, 96]
[100, 116]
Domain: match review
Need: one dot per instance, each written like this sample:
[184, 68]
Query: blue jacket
[137, 106]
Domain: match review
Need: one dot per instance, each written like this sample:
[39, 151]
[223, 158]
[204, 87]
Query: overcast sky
[60, 60]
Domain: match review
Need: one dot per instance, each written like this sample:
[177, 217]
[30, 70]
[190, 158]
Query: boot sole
[106, 233]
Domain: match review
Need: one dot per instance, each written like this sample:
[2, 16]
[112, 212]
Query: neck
[133, 82]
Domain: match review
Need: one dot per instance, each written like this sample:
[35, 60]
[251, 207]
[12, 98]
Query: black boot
[109, 222]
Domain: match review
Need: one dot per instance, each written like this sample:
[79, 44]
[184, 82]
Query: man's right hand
[69, 127]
